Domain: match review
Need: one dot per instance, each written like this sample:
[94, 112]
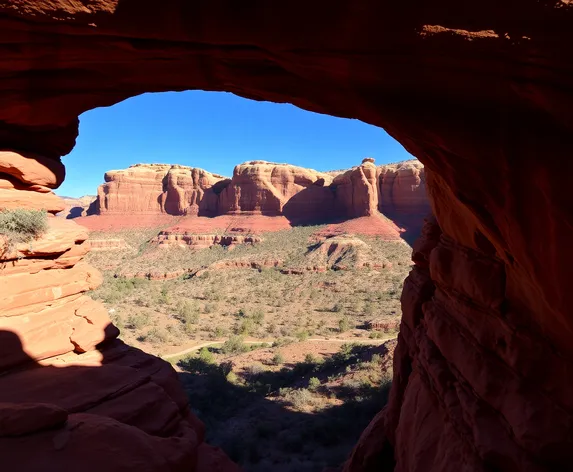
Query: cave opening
[480, 93]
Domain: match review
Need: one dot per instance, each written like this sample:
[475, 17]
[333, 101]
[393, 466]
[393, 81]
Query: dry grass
[21, 226]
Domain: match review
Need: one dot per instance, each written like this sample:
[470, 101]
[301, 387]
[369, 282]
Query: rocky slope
[68, 389]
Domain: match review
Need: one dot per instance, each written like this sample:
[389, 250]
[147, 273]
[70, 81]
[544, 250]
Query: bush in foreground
[22, 226]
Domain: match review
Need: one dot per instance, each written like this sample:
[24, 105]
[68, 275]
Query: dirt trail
[214, 343]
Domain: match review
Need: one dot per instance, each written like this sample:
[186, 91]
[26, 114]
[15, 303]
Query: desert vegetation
[22, 226]
[290, 351]
[263, 303]
[303, 414]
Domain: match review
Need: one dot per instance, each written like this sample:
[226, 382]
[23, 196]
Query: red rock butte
[260, 192]
[480, 92]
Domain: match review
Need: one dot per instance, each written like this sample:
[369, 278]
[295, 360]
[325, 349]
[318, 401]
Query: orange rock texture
[158, 188]
[480, 92]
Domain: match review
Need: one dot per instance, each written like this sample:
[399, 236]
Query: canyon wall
[265, 188]
[480, 92]
[70, 391]
[158, 188]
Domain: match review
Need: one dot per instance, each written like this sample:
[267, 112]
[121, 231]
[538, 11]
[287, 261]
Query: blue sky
[216, 131]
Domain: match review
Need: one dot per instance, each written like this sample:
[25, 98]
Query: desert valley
[278, 288]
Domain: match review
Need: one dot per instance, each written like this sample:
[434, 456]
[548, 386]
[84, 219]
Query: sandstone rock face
[344, 253]
[402, 195]
[480, 92]
[265, 187]
[158, 188]
[356, 190]
[42, 282]
[61, 401]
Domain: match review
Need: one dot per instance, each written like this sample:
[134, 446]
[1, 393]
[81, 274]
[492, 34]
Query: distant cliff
[81, 206]
[259, 187]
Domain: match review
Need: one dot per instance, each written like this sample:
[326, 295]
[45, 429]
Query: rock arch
[481, 93]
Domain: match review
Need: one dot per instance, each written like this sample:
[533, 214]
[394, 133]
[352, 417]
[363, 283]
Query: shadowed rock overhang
[481, 93]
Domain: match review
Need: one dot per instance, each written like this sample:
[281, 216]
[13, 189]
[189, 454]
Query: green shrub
[343, 324]
[282, 342]
[376, 359]
[245, 327]
[313, 384]
[234, 345]
[258, 316]
[346, 352]
[138, 321]
[210, 307]
[187, 313]
[155, 335]
[219, 332]
[206, 356]
[300, 398]
[311, 359]
[336, 308]
[164, 297]
[302, 335]
[232, 378]
[278, 359]
[21, 226]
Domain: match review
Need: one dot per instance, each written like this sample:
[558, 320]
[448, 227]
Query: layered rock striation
[167, 239]
[159, 188]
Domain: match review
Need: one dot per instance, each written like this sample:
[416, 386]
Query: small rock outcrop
[343, 253]
[200, 241]
[111, 244]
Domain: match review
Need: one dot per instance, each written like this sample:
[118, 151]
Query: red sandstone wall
[158, 188]
[259, 187]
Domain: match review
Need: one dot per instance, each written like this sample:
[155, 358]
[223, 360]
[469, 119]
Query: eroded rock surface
[159, 188]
